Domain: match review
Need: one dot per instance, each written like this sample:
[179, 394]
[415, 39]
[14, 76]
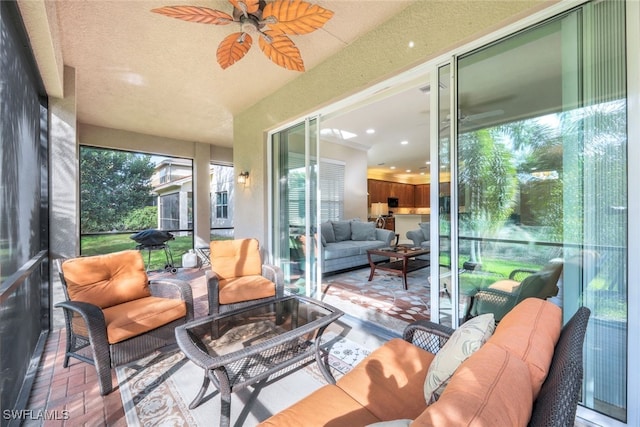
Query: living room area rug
[383, 300]
[157, 390]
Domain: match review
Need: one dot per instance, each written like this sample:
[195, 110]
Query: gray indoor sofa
[420, 237]
[345, 243]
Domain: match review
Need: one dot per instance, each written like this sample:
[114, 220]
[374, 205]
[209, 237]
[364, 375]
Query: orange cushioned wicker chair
[238, 278]
[114, 314]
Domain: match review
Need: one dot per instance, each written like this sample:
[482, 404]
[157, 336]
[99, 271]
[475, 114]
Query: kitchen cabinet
[409, 195]
[380, 191]
[422, 195]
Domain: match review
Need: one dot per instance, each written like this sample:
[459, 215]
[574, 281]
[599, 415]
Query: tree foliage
[141, 219]
[112, 185]
[487, 178]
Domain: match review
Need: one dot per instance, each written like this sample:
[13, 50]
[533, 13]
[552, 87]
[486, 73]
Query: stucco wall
[434, 27]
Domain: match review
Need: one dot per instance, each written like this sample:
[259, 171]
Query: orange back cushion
[106, 280]
[530, 331]
[235, 258]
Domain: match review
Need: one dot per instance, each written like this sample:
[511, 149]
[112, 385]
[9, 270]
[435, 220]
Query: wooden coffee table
[403, 260]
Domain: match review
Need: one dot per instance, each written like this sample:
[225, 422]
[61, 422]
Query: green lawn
[108, 243]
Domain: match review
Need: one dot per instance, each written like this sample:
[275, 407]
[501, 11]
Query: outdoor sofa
[529, 372]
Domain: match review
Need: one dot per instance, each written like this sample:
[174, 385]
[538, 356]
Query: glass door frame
[313, 276]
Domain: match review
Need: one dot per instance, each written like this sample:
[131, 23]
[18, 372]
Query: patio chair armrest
[493, 301]
[174, 288]
[427, 335]
[276, 275]
[520, 273]
[90, 313]
[94, 320]
[213, 288]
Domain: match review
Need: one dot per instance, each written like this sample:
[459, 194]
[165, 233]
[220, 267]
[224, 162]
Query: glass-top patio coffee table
[241, 347]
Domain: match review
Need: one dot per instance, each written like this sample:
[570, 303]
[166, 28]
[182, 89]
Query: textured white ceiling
[144, 72]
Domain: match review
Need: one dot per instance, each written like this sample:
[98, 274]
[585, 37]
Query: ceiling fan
[465, 119]
[271, 22]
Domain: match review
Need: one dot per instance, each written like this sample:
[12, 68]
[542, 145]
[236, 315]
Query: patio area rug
[157, 390]
[383, 300]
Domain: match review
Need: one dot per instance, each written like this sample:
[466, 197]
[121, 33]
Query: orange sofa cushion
[389, 382]
[491, 388]
[530, 331]
[327, 406]
[142, 315]
[245, 288]
[106, 280]
[235, 258]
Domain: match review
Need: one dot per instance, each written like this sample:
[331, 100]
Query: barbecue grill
[155, 240]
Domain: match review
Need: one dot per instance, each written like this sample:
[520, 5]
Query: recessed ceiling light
[421, 173]
[371, 131]
[408, 170]
[392, 167]
[404, 142]
[411, 44]
[427, 163]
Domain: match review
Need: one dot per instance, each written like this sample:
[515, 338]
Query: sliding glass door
[540, 152]
[295, 181]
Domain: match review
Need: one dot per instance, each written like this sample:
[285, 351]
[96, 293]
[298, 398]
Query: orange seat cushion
[245, 288]
[106, 280]
[505, 285]
[491, 388]
[389, 382]
[142, 315]
[530, 331]
[327, 406]
[235, 258]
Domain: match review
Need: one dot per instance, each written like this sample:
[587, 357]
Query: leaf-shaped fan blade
[296, 16]
[203, 15]
[233, 48]
[252, 6]
[282, 51]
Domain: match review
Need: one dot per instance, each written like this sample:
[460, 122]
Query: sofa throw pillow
[363, 230]
[461, 345]
[426, 230]
[342, 230]
[326, 232]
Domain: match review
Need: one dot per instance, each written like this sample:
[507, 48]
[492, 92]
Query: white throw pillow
[464, 341]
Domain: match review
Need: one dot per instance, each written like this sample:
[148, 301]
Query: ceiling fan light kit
[272, 22]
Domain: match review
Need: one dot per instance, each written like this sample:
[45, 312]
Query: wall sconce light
[243, 178]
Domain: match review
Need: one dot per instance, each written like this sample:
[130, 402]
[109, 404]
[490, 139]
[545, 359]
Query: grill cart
[155, 240]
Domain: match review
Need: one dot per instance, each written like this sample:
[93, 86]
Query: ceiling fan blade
[281, 51]
[296, 16]
[202, 15]
[483, 115]
[233, 48]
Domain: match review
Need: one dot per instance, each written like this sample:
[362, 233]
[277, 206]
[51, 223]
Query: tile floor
[70, 396]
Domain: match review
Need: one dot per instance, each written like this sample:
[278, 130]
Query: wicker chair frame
[557, 402]
[95, 348]
[499, 302]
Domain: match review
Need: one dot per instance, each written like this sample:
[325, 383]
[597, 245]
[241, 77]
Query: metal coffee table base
[294, 327]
